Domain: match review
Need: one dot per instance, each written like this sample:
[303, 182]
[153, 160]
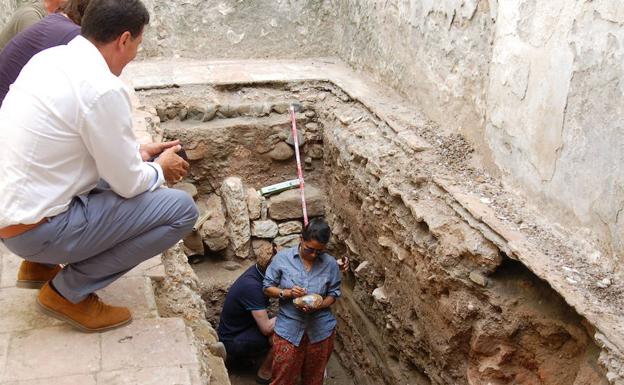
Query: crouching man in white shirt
[66, 126]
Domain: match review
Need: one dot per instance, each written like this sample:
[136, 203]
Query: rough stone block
[286, 241]
[291, 227]
[159, 342]
[287, 205]
[213, 231]
[254, 203]
[264, 229]
[281, 151]
[52, 352]
[235, 200]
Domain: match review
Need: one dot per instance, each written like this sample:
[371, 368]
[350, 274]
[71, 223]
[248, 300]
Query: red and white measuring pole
[299, 170]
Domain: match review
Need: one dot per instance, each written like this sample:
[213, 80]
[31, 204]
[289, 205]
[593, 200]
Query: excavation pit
[431, 298]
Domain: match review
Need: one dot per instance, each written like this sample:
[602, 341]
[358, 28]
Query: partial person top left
[25, 16]
[58, 28]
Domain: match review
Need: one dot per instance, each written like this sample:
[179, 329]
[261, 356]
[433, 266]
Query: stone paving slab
[36, 349]
[10, 264]
[148, 343]
[148, 376]
[4, 351]
[20, 312]
[51, 352]
[66, 380]
[136, 293]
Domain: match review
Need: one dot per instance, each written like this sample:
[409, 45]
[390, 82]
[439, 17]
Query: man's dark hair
[75, 10]
[317, 230]
[105, 20]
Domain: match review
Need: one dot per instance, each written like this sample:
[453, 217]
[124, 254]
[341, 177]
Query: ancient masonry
[455, 280]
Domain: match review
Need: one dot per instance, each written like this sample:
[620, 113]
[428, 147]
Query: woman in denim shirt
[304, 338]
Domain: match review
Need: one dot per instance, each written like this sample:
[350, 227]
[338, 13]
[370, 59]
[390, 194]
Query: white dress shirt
[65, 123]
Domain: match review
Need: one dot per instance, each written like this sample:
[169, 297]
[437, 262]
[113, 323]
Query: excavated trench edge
[481, 218]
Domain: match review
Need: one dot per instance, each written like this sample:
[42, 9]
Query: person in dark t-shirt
[245, 326]
[53, 30]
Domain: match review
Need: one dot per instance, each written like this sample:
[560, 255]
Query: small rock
[171, 113]
[228, 111]
[160, 111]
[193, 244]
[264, 229]
[243, 109]
[282, 151]
[478, 278]
[604, 283]
[195, 113]
[218, 349]
[380, 295]
[197, 153]
[232, 266]
[189, 188]
[209, 113]
[315, 151]
[300, 138]
[313, 127]
[183, 113]
[288, 228]
[485, 201]
[361, 268]
[321, 96]
[287, 241]
[264, 212]
[310, 114]
[308, 163]
[254, 204]
[281, 108]
[260, 109]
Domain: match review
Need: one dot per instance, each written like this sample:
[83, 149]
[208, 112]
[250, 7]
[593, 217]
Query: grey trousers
[102, 236]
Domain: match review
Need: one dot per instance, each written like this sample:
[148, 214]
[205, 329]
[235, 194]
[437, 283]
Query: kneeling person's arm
[265, 324]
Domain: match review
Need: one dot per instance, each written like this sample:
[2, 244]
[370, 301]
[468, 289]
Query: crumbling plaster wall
[535, 86]
[436, 52]
[239, 29]
[556, 109]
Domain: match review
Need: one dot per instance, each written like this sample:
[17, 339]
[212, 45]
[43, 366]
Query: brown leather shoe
[33, 275]
[89, 315]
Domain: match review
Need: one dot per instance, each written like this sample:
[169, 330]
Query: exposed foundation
[433, 296]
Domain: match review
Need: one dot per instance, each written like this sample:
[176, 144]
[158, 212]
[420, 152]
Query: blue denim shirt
[287, 270]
